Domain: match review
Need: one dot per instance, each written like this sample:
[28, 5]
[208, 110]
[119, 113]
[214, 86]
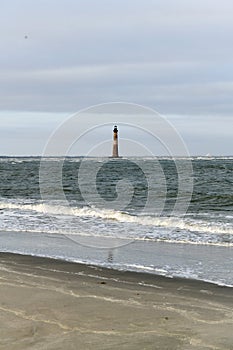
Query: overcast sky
[58, 56]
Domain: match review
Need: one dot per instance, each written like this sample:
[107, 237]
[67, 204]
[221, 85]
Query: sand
[51, 304]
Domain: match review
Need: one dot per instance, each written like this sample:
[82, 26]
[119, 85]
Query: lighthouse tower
[115, 143]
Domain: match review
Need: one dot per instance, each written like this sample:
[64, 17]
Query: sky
[60, 56]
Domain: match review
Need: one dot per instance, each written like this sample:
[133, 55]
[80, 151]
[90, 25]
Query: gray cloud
[174, 56]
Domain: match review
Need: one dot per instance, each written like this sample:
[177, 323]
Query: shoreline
[154, 254]
[110, 270]
[55, 304]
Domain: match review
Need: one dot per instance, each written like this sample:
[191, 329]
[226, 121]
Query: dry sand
[50, 304]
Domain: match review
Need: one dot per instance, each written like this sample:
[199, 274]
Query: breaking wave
[187, 223]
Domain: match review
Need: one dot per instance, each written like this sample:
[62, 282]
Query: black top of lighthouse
[115, 129]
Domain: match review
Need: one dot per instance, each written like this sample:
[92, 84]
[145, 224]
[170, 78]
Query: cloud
[177, 87]
[174, 56]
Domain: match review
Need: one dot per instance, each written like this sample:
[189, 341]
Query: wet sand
[51, 304]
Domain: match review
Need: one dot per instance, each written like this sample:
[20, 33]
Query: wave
[188, 223]
[85, 238]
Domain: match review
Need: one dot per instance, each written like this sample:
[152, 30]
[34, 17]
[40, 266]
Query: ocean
[136, 214]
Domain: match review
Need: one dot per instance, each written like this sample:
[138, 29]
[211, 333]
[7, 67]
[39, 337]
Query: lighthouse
[115, 143]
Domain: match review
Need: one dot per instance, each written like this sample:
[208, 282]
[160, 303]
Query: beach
[116, 175]
[53, 304]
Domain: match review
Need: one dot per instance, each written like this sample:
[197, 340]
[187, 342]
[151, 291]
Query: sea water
[122, 213]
